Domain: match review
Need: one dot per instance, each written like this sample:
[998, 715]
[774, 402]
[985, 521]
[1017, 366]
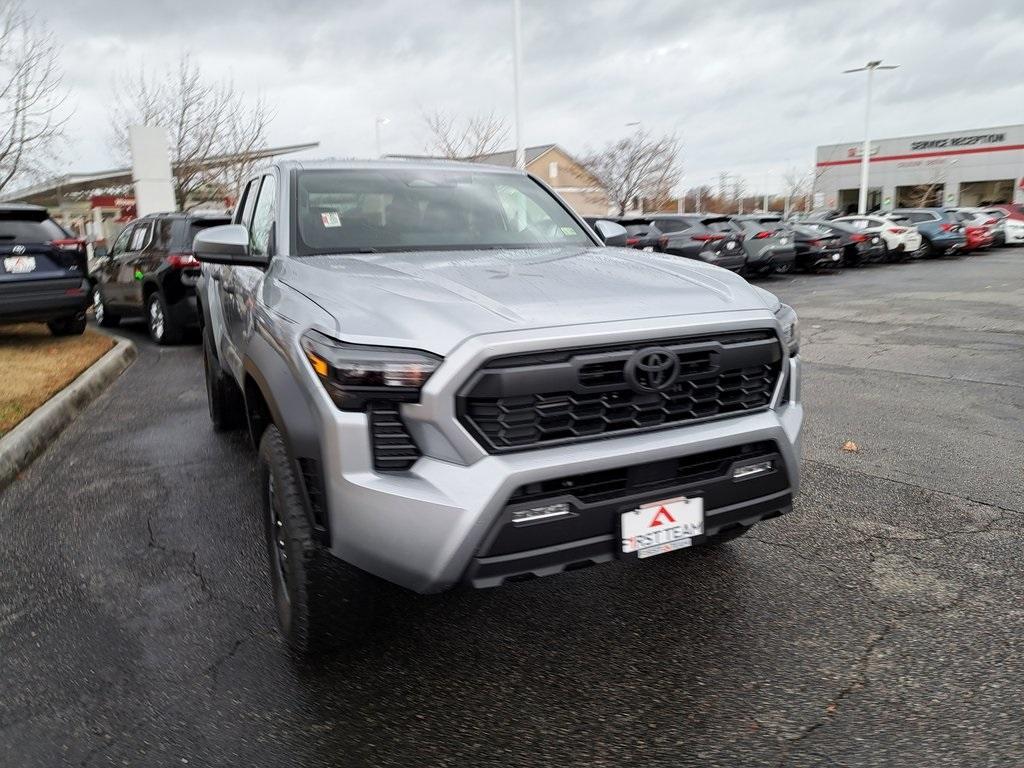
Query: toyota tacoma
[452, 379]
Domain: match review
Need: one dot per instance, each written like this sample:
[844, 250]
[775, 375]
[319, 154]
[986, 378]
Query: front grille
[393, 447]
[523, 401]
[641, 479]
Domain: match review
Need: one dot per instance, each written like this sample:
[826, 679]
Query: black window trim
[273, 224]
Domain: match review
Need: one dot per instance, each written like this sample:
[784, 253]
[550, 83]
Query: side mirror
[611, 234]
[226, 244]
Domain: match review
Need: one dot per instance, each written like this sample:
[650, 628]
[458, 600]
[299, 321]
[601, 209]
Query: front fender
[269, 368]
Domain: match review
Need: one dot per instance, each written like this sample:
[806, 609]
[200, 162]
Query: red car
[978, 234]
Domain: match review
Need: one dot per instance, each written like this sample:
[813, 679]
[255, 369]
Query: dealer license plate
[19, 265]
[663, 526]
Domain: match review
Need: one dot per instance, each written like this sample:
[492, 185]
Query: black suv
[705, 237]
[150, 272]
[643, 232]
[42, 271]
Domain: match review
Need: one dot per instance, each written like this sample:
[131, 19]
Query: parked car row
[766, 243]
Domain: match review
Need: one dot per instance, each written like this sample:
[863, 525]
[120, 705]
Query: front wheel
[319, 600]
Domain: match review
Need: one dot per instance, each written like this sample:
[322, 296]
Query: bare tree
[458, 139]
[31, 95]
[798, 186]
[212, 129]
[739, 189]
[637, 167]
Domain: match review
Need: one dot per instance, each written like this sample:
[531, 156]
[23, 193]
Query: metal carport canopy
[50, 192]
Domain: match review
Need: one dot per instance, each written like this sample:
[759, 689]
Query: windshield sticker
[569, 231]
[331, 219]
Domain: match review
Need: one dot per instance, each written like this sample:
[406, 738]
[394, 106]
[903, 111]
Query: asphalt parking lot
[880, 624]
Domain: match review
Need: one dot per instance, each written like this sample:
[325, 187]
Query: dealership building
[982, 166]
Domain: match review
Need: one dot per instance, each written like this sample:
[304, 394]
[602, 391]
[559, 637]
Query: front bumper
[426, 529]
[1013, 232]
[43, 300]
[775, 256]
[820, 259]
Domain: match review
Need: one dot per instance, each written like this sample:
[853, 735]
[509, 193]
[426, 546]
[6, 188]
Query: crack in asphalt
[193, 564]
[907, 483]
[869, 369]
[214, 669]
[928, 323]
[859, 681]
[891, 615]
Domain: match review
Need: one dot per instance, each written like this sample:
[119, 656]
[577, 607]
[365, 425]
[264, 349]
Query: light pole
[377, 124]
[870, 67]
[517, 63]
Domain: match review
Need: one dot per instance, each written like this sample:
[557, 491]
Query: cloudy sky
[750, 86]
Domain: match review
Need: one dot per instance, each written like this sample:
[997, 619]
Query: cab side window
[140, 236]
[263, 217]
[244, 214]
[121, 243]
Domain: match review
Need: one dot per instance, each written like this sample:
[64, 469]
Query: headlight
[353, 374]
[790, 327]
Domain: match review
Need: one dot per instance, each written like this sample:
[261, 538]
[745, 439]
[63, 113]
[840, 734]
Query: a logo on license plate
[661, 527]
[19, 265]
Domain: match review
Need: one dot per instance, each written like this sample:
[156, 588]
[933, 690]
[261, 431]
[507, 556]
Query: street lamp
[870, 67]
[517, 65]
[377, 124]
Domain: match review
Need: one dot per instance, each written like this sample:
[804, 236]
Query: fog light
[752, 470]
[536, 514]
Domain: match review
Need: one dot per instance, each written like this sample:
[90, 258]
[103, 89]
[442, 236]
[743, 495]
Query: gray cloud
[751, 87]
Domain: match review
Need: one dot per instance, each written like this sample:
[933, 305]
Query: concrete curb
[33, 435]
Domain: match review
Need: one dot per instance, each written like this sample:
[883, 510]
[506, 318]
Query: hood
[434, 300]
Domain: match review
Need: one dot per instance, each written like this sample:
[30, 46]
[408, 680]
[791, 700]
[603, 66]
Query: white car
[1008, 230]
[901, 238]
[1013, 228]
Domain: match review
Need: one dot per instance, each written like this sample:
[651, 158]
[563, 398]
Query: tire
[162, 329]
[224, 399]
[316, 596]
[68, 326]
[104, 317]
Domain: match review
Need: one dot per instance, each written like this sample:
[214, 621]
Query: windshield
[29, 231]
[404, 209]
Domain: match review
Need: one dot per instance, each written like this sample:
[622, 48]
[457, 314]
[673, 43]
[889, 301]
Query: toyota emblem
[652, 370]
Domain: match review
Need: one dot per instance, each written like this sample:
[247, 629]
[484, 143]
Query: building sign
[958, 141]
[125, 205]
[858, 151]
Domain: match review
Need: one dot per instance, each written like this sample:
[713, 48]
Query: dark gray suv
[451, 379]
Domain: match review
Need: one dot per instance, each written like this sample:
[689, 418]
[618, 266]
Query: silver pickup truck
[452, 379]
